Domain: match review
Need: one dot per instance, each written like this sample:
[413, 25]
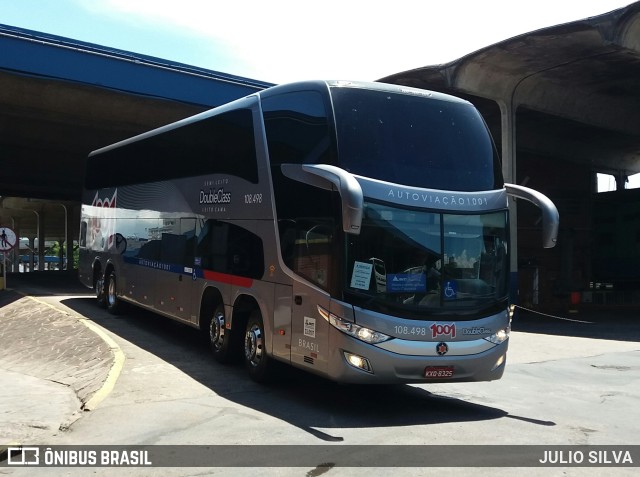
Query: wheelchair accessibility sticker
[450, 290]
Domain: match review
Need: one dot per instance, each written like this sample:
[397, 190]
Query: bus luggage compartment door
[282, 299]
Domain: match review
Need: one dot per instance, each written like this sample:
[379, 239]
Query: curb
[118, 355]
[114, 373]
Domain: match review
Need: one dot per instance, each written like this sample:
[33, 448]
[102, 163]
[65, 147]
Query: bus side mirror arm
[333, 178]
[550, 216]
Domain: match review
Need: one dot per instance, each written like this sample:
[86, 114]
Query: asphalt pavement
[55, 365]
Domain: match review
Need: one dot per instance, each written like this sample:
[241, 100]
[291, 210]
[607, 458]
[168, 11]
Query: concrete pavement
[53, 365]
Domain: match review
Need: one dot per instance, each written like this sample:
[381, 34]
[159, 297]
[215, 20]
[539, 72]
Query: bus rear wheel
[114, 305]
[101, 296]
[256, 361]
[220, 338]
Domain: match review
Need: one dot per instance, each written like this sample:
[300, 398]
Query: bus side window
[245, 253]
[208, 249]
[288, 235]
[188, 231]
[313, 249]
[150, 250]
[227, 248]
[172, 248]
[178, 248]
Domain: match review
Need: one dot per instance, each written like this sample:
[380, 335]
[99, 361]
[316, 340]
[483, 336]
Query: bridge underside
[563, 104]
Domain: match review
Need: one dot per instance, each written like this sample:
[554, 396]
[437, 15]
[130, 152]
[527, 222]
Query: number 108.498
[411, 330]
[253, 198]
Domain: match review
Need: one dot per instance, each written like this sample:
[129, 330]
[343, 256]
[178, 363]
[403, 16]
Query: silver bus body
[358, 231]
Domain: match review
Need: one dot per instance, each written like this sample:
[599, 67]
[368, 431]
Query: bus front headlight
[360, 332]
[499, 336]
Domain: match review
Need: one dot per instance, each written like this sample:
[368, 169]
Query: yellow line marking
[118, 355]
[118, 363]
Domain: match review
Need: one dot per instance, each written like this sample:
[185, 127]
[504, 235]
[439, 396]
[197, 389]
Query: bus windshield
[411, 262]
[414, 140]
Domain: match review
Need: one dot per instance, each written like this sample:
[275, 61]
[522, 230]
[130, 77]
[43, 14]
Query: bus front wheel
[256, 361]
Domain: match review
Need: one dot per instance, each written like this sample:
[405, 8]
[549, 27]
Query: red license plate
[438, 372]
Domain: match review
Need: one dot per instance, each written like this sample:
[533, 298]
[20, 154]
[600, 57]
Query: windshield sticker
[406, 282]
[361, 276]
[450, 290]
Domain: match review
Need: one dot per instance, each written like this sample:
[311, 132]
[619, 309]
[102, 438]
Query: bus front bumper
[354, 361]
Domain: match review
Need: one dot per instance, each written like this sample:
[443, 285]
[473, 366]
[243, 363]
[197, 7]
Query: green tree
[58, 249]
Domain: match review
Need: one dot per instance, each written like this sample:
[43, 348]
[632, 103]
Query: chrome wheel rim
[112, 292]
[99, 288]
[253, 345]
[216, 331]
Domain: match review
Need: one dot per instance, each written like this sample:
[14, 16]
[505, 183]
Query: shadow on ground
[308, 402]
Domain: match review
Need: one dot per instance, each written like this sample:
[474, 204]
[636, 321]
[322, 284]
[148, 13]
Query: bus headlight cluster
[499, 336]
[360, 332]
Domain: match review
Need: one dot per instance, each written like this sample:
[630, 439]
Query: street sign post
[8, 240]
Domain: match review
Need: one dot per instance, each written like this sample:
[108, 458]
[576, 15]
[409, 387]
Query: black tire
[101, 295]
[220, 338]
[114, 305]
[258, 364]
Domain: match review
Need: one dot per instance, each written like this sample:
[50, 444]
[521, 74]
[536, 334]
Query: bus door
[312, 259]
[174, 279]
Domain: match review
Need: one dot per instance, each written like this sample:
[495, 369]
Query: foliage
[59, 250]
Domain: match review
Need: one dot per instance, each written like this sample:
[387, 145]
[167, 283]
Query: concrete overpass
[60, 99]
[563, 104]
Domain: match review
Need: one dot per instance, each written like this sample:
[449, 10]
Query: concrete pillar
[508, 125]
[15, 253]
[68, 240]
[41, 241]
[32, 247]
[621, 180]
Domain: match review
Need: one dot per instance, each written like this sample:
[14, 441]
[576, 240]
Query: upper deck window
[297, 128]
[414, 140]
[221, 144]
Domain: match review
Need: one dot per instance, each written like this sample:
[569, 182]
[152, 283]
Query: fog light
[358, 362]
[499, 363]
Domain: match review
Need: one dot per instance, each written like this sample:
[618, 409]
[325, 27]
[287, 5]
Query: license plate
[438, 372]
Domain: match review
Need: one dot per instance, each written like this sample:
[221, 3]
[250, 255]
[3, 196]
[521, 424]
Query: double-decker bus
[359, 231]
